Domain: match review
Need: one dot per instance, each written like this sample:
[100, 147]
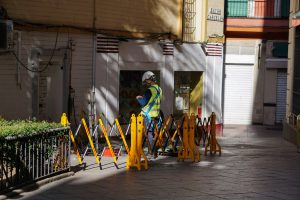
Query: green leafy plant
[25, 127]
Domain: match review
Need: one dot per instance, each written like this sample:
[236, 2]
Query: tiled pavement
[256, 163]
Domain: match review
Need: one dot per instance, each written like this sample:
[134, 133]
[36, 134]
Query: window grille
[189, 20]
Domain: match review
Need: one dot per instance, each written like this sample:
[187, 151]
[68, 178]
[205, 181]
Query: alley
[256, 163]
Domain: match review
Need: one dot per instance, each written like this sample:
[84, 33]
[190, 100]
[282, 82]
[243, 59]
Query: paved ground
[256, 164]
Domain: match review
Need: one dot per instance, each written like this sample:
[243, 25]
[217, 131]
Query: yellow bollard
[136, 150]
[65, 122]
[212, 145]
[140, 129]
[133, 154]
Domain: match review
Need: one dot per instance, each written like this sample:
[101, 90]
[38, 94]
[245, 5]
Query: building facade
[255, 75]
[87, 57]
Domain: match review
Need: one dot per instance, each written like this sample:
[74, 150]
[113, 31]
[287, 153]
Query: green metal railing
[257, 8]
[236, 8]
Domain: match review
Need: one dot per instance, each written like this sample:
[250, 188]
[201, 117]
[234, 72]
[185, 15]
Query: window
[189, 20]
[280, 49]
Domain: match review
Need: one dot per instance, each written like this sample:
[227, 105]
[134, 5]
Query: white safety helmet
[148, 76]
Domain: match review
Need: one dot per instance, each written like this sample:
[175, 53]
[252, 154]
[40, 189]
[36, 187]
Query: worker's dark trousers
[150, 124]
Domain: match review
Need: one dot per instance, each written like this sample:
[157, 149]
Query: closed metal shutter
[281, 96]
[238, 94]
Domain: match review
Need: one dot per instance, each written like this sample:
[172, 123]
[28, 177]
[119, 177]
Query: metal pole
[92, 116]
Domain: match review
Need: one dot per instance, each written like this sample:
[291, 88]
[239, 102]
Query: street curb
[35, 185]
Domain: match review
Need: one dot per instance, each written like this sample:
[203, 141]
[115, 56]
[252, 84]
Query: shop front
[190, 80]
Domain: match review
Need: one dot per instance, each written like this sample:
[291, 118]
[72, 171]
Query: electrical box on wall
[6, 35]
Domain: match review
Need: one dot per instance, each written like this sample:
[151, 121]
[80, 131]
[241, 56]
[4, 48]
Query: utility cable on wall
[148, 35]
[48, 63]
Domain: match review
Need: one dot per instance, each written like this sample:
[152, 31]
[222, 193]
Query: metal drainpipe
[183, 21]
[92, 118]
[19, 56]
[223, 84]
[259, 68]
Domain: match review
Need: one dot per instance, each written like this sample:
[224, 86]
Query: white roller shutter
[238, 94]
[281, 96]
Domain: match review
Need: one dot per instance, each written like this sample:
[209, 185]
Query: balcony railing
[257, 8]
[27, 159]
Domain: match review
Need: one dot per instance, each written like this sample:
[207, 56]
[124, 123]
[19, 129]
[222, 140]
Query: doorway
[188, 92]
[130, 87]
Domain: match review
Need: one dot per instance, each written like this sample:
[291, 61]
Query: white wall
[190, 57]
[16, 96]
[15, 89]
[138, 55]
[107, 85]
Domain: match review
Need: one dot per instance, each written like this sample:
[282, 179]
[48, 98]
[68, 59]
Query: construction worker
[150, 102]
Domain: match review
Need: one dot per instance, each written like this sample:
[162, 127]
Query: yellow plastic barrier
[163, 144]
[212, 145]
[107, 133]
[177, 131]
[108, 142]
[65, 122]
[136, 150]
[91, 142]
[202, 127]
[122, 135]
[184, 149]
[140, 129]
[194, 148]
[188, 149]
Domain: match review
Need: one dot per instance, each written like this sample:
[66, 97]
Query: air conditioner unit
[6, 35]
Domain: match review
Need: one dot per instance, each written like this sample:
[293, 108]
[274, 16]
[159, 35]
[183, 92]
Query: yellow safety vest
[154, 110]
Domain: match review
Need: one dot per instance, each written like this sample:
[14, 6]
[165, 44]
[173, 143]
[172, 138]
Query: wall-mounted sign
[216, 38]
[216, 11]
[215, 15]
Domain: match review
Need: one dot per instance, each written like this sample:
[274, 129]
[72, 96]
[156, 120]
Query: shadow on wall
[153, 17]
[143, 56]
